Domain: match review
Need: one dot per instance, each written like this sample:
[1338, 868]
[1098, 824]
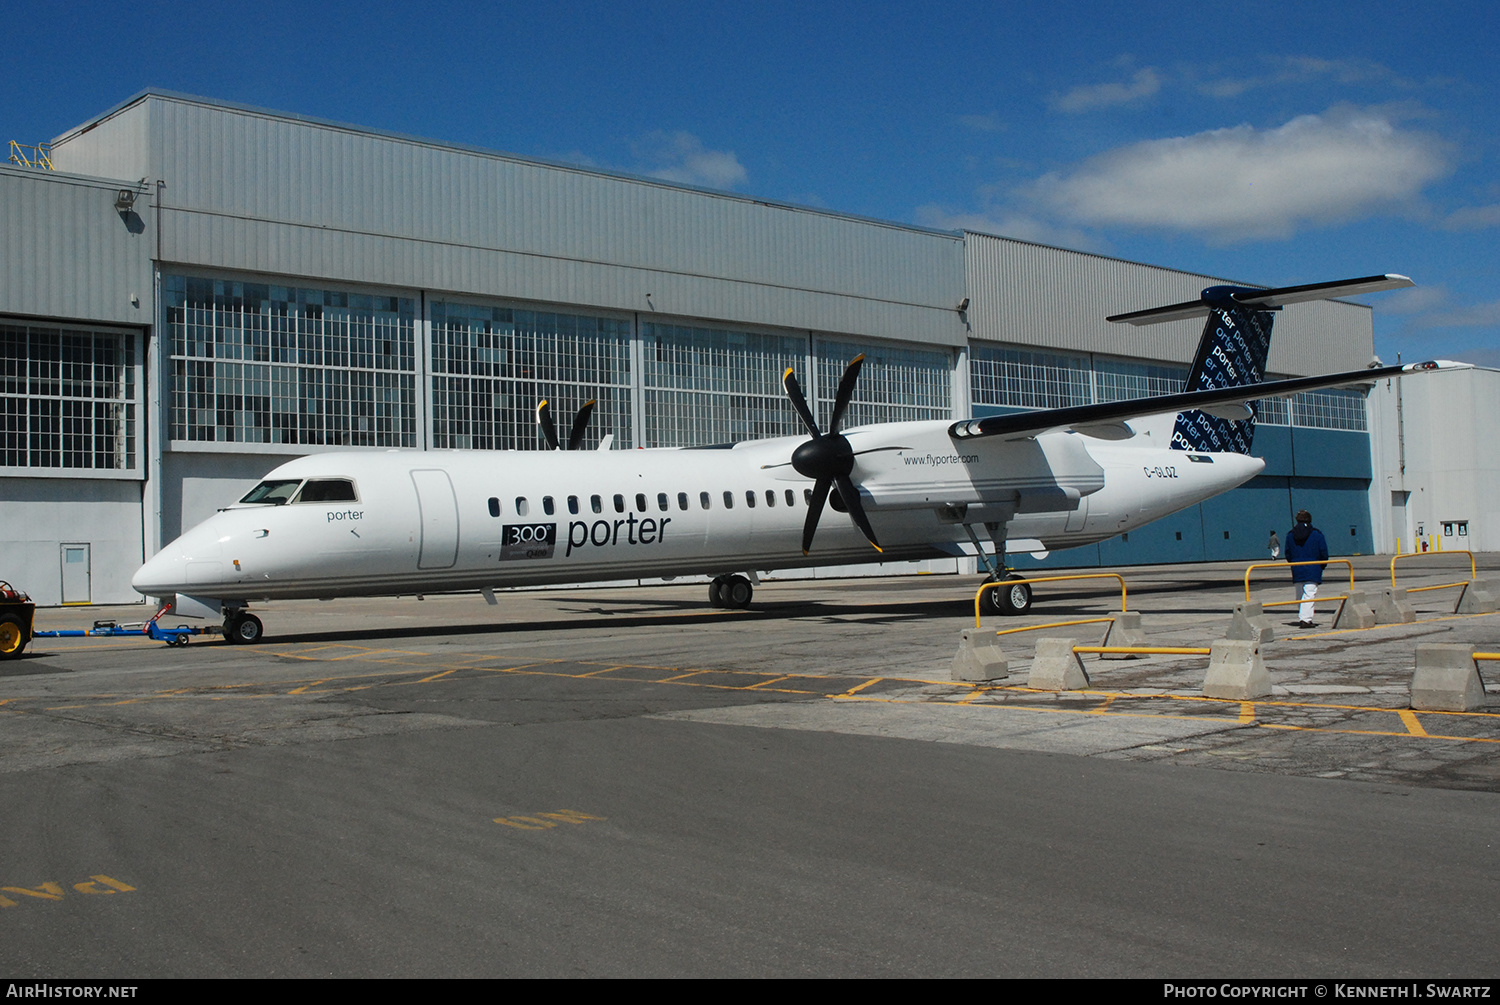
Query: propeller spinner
[549, 427]
[828, 458]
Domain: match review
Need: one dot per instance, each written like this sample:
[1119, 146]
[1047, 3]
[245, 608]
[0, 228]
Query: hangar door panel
[438, 517]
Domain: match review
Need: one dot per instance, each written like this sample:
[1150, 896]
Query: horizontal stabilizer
[1262, 299]
[1084, 418]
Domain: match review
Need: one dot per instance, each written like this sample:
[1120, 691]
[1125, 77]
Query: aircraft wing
[1106, 420]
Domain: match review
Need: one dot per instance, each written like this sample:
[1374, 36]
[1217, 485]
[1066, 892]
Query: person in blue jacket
[1306, 543]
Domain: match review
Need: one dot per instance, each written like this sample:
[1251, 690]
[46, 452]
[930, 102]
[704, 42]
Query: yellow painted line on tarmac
[858, 688]
[1104, 708]
[1247, 711]
[1373, 628]
[1409, 720]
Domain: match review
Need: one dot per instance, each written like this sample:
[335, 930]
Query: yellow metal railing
[26, 155]
[1055, 624]
[1284, 565]
[1045, 579]
[1473, 569]
[1157, 650]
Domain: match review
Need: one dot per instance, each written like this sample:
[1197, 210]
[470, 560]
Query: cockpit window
[327, 490]
[276, 492]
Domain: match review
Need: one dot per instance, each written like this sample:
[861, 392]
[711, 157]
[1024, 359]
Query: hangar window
[896, 384]
[259, 363]
[714, 385]
[491, 365]
[1022, 378]
[69, 398]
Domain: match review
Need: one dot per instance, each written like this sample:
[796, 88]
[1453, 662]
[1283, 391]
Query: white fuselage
[429, 521]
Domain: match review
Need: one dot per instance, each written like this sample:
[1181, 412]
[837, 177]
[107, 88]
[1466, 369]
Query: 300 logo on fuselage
[528, 540]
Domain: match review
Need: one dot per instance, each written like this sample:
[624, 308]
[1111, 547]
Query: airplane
[404, 522]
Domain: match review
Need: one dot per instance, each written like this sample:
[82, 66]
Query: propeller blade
[814, 510]
[845, 392]
[794, 392]
[544, 420]
[580, 425]
[850, 495]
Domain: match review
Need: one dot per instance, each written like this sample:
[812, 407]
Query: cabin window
[807, 496]
[750, 498]
[521, 508]
[275, 493]
[791, 498]
[573, 505]
[682, 500]
[640, 502]
[548, 507]
[770, 497]
[728, 500]
[619, 503]
[494, 506]
[661, 502]
[703, 499]
[327, 490]
[596, 504]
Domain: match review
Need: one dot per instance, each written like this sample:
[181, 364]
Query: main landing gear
[730, 591]
[243, 628]
[1011, 599]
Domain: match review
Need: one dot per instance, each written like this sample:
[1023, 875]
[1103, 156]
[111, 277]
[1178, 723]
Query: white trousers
[1305, 592]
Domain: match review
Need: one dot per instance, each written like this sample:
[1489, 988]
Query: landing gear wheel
[716, 592]
[243, 629]
[12, 636]
[737, 592]
[1011, 599]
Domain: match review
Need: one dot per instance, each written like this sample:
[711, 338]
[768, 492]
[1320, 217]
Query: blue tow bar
[150, 629]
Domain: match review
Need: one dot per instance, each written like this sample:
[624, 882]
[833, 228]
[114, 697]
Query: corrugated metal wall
[68, 253]
[260, 192]
[1030, 294]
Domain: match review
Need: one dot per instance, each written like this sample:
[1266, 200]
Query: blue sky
[1274, 143]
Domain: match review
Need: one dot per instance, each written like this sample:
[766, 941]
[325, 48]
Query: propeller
[549, 427]
[828, 458]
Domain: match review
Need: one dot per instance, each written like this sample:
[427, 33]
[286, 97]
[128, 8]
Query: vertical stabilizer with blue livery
[1233, 350]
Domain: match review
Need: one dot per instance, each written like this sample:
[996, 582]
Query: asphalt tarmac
[625, 782]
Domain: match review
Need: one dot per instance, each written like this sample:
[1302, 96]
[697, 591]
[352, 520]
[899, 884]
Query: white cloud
[1414, 300]
[1144, 84]
[1301, 70]
[1243, 182]
[681, 157]
[1473, 316]
[1472, 218]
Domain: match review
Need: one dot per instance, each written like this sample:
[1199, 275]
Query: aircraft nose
[162, 575]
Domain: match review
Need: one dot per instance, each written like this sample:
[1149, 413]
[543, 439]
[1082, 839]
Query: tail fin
[1231, 353]
[1233, 349]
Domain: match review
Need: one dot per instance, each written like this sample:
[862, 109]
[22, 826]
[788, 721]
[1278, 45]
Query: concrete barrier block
[1356, 612]
[1236, 671]
[1478, 597]
[1249, 623]
[979, 657]
[1125, 630]
[1445, 679]
[1392, 607]
[1057, 667]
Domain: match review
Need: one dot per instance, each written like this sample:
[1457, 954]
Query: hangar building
[193, 291]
